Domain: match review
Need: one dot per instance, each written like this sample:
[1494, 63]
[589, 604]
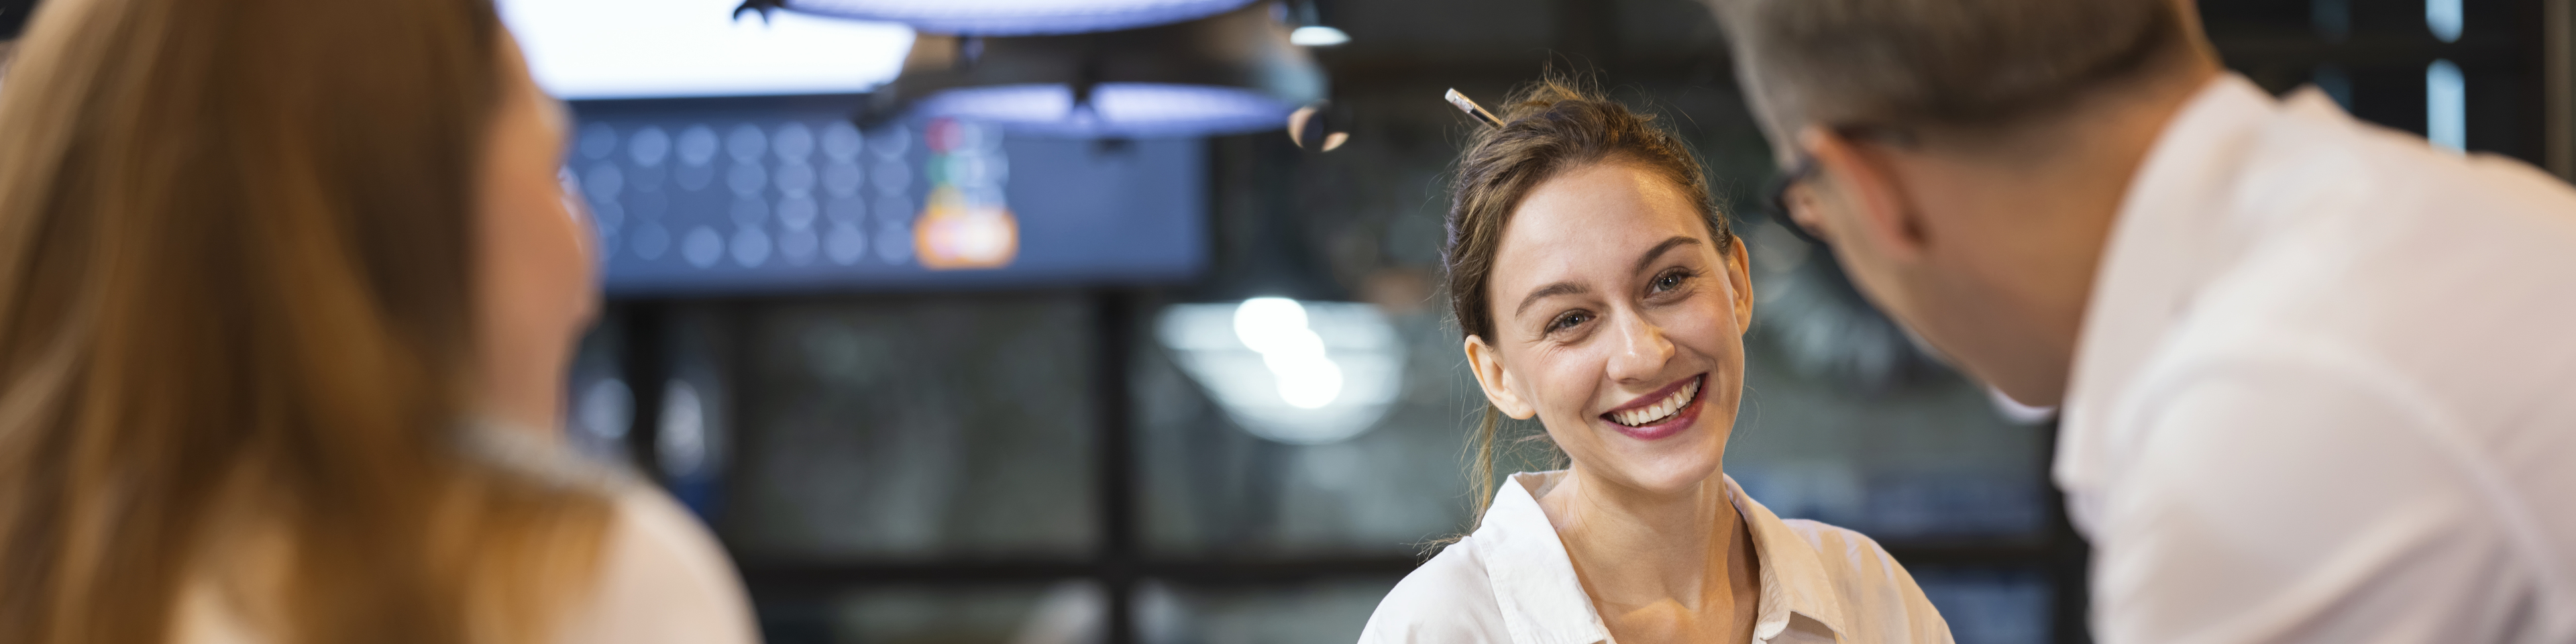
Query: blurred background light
[1317, 36]
[1319, 126]
[2446, 106]
[1116, 109]
[596, 49]
[1015, 17]
[2444, 18]
[683, 441]
[1301, 373]
[1311, 30]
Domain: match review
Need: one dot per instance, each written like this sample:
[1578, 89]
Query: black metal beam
[1116, 457]
[644, 336]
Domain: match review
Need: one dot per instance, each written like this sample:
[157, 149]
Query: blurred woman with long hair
[287, 289]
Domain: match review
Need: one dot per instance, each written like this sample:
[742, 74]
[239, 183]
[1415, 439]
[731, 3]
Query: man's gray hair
[1936, 62]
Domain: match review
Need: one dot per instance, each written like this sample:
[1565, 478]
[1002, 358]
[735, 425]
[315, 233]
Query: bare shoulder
[663, 578]
[1447, 599]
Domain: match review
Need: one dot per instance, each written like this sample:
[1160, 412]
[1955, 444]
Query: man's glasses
[1806, 168]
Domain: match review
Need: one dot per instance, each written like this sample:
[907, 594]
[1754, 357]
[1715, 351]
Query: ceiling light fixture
[1229, 73]
[1311, 30]
[1011, 17]
[1317, 36]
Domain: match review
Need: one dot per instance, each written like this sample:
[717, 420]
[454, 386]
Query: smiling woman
[1601, 292]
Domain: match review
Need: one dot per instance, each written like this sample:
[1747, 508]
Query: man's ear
[1868, 203]
[1739, 275]
[1488, 365]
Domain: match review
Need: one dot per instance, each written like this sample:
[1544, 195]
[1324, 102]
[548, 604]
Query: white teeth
[1662, 409]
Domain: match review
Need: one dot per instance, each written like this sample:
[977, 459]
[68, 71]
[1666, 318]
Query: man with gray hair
[2318, 378]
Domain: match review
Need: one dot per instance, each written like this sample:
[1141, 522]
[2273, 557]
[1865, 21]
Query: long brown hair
[1549, 128]
[235, 262]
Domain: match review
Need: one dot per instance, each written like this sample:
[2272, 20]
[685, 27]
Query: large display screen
[714, 196]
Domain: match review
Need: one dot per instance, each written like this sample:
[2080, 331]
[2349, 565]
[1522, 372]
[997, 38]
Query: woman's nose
[1642, 350]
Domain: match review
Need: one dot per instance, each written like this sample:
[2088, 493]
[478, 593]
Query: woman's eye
[1669, 280]
[1569, 320]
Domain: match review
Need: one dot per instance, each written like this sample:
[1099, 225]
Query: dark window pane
[930, 428]
[1931, 460]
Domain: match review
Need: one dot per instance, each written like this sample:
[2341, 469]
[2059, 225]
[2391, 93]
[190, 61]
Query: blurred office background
[1027, 320]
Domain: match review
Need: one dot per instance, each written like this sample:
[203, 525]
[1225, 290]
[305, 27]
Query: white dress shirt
[2326, 388]
[1511, 581]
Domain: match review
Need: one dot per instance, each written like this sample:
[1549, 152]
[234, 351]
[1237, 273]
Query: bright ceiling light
[600, 49]
[1317, 36]
[1017, 17]
[1302, 373]
[1116, 109]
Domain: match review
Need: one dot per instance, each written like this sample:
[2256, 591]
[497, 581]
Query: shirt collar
[1544, 603]
[2180, 223]
[1793, 575]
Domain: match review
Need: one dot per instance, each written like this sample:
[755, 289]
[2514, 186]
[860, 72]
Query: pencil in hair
[1471, 108]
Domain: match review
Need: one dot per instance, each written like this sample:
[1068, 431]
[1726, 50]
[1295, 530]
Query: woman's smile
[1663, 413]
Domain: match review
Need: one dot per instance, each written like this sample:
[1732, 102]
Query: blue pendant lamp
[1225, 67]
[1016, 17]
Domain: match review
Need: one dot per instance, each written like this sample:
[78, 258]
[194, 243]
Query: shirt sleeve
[663, 579]
[2283, 502]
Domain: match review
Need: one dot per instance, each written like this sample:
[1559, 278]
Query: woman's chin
[1667, 467]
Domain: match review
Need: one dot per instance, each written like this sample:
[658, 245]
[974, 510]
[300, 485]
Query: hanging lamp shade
[1227, 73]
[1016, 17]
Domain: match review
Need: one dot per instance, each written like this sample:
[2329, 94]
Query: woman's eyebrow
[1548, 291]
[1652, 254]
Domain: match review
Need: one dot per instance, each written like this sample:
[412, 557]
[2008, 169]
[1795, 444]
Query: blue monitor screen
[716, 196]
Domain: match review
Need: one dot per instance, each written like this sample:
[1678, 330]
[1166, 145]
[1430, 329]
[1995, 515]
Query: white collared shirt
[1511, 581]
[2326, 388]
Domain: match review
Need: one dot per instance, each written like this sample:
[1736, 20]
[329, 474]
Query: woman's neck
[1676, 565]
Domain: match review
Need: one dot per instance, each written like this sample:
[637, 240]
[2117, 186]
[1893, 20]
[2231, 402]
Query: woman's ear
[1497, 383]
[1739, 274]
[1869, 204]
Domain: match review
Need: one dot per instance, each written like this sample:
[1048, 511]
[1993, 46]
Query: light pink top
[663, 578]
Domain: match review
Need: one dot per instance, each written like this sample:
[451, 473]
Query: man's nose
[1642, 349]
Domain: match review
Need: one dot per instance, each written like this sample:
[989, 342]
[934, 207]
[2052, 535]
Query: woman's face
[535, 281]
[1619, 324]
